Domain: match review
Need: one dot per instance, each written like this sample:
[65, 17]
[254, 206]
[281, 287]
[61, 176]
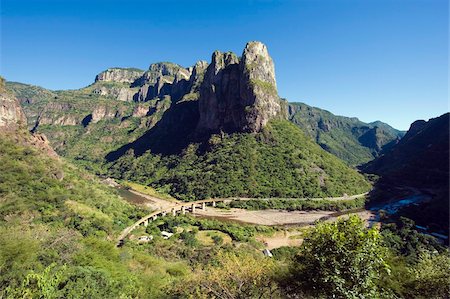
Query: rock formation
[160, 80]
[123, 75]
[13, 122]
[239, 94]
[11, 113]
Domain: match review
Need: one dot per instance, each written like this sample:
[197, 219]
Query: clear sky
[374, 59]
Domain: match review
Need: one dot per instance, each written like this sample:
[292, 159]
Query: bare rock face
[140, 111]
[123, 94]
[220, 106]
[57, 114]
[41, 142]
[162, 79]
[102, 112]
[12, 116]
[119, 75]
[13, 119]
[239, 95]
[258, 88]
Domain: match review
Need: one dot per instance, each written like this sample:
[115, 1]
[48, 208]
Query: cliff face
[11, 113]
[119, 75]
[162, 79]
[13, 120]
[239, 94]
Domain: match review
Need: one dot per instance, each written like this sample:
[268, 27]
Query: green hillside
[348, 138]
[421, 161]
[280, 161]
[57, 230]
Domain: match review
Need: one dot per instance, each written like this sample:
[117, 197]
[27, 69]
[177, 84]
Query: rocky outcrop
[57, 114]
[140, 111]
[13, 119]
[162, 79]
[239, 94]
[72, 114]
[124, 94]
[11, 113]
[102, 112]
[258, 87]
[123, 75]
[41, 142]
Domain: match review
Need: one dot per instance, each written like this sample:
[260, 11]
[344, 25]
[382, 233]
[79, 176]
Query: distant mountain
[421, 161]
[215, 129]
[421, 158]
[348, 138]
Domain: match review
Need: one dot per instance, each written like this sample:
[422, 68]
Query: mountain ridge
[165, 122]
[348, 138]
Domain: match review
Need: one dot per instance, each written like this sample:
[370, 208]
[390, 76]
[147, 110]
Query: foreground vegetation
[57, 224]
[57, 238]
[298, 204]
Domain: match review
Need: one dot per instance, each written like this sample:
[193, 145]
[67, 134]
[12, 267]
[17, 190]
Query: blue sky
[374, 59]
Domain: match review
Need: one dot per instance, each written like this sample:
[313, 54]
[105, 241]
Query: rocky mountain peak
[239, 94]
[258, 64]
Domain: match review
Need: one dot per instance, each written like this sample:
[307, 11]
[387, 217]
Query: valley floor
[270, 217]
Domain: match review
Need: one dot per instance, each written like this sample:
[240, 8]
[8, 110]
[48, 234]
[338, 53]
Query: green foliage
[278, 162]
[420, 265]
[31, 181]
[266, 87]
[238, 232]
[404, 240]
[230, 276]
[218, 240]
[341, 260]
[189, 238]
[285, 254]
[431, 277]
[55, 222]
[348, 138]
[299, 204]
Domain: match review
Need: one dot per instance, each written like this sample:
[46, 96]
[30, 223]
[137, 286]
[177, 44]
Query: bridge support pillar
[183, 210]
[193, 208]
[203, 206]
[155, 217]
[146, 222]
[214, 204]
[164, 213]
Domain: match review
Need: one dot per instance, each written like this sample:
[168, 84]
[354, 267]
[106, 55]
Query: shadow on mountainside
[169, 136]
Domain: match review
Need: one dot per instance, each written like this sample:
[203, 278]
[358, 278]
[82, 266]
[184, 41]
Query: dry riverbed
[265, 217]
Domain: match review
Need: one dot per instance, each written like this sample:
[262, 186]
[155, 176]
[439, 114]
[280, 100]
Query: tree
[342, 259]
[431, 276]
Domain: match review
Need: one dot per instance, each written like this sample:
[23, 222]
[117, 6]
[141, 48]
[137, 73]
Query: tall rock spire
[239, 95]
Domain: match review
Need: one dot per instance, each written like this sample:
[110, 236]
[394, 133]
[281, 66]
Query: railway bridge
[180, 208]
[176, 209]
